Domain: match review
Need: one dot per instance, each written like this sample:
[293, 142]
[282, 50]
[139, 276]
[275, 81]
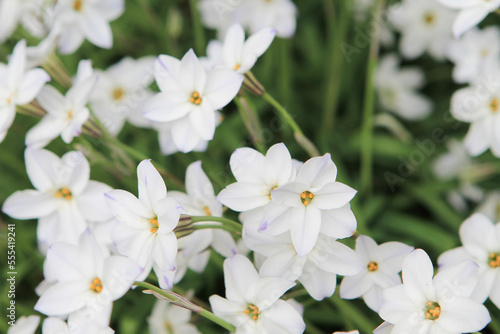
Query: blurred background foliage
[324, 92]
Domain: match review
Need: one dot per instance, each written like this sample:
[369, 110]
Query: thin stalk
[301, 139]
[214, 226]
[57, 70]
[141, 156]
[199, 35]
[369, 107]
[251, 120]
[201, 311]
[364, 323]
[225, 221]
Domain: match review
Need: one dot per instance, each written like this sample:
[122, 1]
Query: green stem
[251, 120]
[204, 313]
[214, 226]
[301, 139]
[312, 329]
[199, 35]
[369, 108]
[235, 226]
[364, 323]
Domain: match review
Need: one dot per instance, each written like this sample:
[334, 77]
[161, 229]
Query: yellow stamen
[494, 105]
[306, 197]
[118, 94]
[432, 310]
[252, 311]
[494, 260]
[96, 285]
[64, 193]
[372, 266]
[195, 98]
[237, 67]
[429, 18]
[207, 211]
[154, 225]
[77, 5]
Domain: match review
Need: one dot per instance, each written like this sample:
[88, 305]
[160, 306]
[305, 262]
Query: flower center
[237, 67]
[77, 5]
[429, 18]
[154, 225]
[372, 266]
[306, 197]
[252, 311]
[272, 190]
[432, 310]
[494, 260]
[118, 94]
[207, 211]
[195, 98]
[96, 285]
[494, 105]
[64, 193]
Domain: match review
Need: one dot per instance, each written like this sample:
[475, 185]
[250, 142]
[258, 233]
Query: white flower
[471, 12]
[200, 200]
[313, 203]
[451, 164]
[384, 328]
[85, 278]
[76, 20]
[479, 104]
[18, 85]
[425, 25]
[121, 91]
[145, 230]
[64, 197]
[481, 243]
[25, 325]
[490, 206]
[253, 304]
[382, 264]
[65, 114]
[473, 49]
[189, 92]
[258, 14]
[317, 271]
[53, 325]
[256, 175]
[239, 55]
[216, 14]
[424, 304]
[396, 89]
[14, 11]
[170, 319]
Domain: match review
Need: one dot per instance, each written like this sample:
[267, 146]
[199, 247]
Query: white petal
[355, 286]
[221, 87]
[227, 309]
[239, 274]
[277, 219]
[77, 171]
[392, 254]
[242, 196]
[185, 137]
[92, 202]
[318, 283]
[79, 94]
[335, 257]
[167, 73]
[17, 64]
[305, 229]
[29, 204]
[373, 298]
[198, 186]
[338, 223]
[457, 281]
[259, 42]
[477, 234]
[333, 195]
[467, 19]
[168, 212]
[463, 316]
[279, 166]
[417, 277]
[119, 274]
[166, 107]
[318, 171]
[165, 251]
[97, 30]
[248, 165]
[192, 74]
[267, 290]
[282, 318]
[62, 263]
[453, 257]
[64, 298]
[233, 46]
[126, 207]
[289, 194]
[466, 106]
[151, 185]
[478, 138]
[31, 85]
[55, 325]
[284, 264]
[52, 100]
[202, 119]
[45, 131]
[486, 286]
[397, 305]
